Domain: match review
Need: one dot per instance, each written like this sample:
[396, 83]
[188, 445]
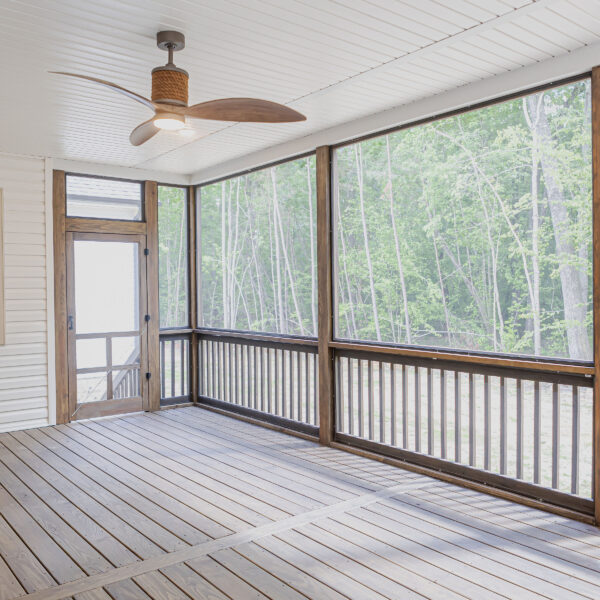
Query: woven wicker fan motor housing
[170, 85]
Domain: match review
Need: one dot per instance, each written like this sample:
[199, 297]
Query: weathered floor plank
[189, 503]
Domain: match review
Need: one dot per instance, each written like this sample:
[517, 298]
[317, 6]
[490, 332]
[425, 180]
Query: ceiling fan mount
[170, 98]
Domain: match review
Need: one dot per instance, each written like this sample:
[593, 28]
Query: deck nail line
[66, 590]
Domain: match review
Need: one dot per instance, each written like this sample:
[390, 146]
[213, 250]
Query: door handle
[70, 322]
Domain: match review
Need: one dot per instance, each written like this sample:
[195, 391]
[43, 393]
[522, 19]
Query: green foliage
[172, 257]
[258, 266]
[462, 193]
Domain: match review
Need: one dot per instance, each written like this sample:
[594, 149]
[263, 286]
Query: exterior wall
[25, 400]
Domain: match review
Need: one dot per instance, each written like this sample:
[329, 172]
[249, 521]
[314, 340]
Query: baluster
[182, 389]
[238, 375]
[351, 396]
[430, 430]
[248, 376]
[519, 429]
[255, 382]
[162, 369]
[555, 434]
[537, 429]
[404, 408]
[503, 425]
[269, 383]
[277, 381]
[213, 390]
[457, 418]
[472, 422]
[299, 384]
[172, 368]
[417, 409]
[361, 427]
[315, 380]
[223, 374]
[576, 424]
[291, 383]
[339, 393]
[283, 385]
[371, 398]
[307, 387]
[393, 407]
[262, 353]
[381, 403]
[443, 420]
[487, 424]
[231, 351]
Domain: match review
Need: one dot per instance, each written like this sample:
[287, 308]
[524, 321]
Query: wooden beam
[59, 206]
[192, 291]
[81, 224]
[153, 325]
[325, 331]
[596, 288]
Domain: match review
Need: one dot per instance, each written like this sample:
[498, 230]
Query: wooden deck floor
[187, 503]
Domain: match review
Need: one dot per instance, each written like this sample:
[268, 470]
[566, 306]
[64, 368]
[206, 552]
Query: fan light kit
[170, 99]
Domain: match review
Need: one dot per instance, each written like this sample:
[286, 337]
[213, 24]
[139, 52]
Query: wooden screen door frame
[109, 406]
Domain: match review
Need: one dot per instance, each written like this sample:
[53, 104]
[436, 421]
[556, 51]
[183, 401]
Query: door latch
[70, 322]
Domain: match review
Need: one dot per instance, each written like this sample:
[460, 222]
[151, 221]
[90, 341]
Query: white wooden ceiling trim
[554, 69]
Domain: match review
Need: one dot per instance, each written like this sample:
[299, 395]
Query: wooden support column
[596, 288]
[59, 208]
[193, 288]
[151, 210]
[325, 332]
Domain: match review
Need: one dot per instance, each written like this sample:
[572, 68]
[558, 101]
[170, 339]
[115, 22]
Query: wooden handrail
[495, 361]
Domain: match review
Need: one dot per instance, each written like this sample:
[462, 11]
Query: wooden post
[325, 331]
[193, 288]
[153, 325]
[59, 208]
[596, 287]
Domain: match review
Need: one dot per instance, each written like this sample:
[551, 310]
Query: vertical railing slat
[404, 408]
[381, 403]
[417, 377]
[393, 407]
[443, 412]
[537, 438]
[555, 434]
[575, 432]
[361, 428]
[487, 424]
[519, 429]
[371, 398]
[503, 425]
[472, 422]
[350, 396]
[457, 418]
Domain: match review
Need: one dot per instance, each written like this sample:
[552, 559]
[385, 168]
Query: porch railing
[174, 368]
[528, 431]
[274, 379]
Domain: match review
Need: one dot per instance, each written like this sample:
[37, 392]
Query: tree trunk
[313, 266]
[359, 174]
[390, 188]
[574, 293]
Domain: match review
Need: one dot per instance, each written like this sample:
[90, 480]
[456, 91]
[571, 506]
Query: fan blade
[112, 86]
[143, 132]
[248, 110]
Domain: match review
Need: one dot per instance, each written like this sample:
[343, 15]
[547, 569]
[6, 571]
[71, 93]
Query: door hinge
[148, 375]
[146, 251]
[147, 318]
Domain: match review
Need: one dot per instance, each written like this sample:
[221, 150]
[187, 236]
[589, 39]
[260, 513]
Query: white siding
[24, 359]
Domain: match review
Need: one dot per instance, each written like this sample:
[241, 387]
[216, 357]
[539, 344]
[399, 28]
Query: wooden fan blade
[112, 86]
[248, 110]
[143, 132]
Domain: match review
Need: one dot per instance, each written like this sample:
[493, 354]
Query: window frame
[441, 351]
[141, 183]
[198, 200]
[188, 252]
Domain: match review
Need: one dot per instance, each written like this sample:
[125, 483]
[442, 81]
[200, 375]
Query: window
[259, 262]
[100, 198]
[471, 232]
[173, 256]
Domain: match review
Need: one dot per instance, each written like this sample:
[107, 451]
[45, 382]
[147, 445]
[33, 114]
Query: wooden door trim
[111, 406]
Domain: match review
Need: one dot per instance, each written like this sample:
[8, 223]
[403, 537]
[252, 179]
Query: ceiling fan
[170, 99]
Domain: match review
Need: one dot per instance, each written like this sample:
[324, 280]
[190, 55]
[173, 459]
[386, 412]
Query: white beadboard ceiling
[337, 61]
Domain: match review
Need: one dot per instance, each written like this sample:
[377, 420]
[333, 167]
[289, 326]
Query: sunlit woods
[172, 241]
[473, 231]
[258, 246]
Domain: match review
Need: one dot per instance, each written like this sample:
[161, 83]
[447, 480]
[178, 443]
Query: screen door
[106, 305]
